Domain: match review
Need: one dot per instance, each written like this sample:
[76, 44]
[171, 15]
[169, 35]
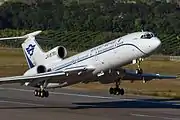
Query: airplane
[103, 63]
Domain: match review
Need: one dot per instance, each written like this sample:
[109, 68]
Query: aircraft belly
[69, 80]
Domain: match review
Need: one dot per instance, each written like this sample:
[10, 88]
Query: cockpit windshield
[147, 36]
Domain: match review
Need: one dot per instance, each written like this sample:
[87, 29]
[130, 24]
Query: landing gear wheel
[40, 93]
[111, 90]
[46, 94]
[139, 71]
[116, 91]
[35, 92]
[122, 91]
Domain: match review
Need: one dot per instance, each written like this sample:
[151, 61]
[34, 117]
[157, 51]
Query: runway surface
[19, 103]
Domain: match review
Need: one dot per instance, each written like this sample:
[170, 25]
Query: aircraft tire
[46, 94]
[111, 90]
[42, 94]
[35, 92]
[117, 91]
[139, 71]
[122, 91]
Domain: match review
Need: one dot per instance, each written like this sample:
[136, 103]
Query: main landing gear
[41, 93]
[116, 90]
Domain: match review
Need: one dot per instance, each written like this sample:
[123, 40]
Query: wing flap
[21, 79]
[48, 75]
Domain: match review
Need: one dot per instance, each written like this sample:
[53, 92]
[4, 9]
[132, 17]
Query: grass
[164, 88]
[12, 62]
[164, 67]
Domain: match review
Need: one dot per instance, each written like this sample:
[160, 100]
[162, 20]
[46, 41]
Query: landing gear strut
[41, 93]
[117, 90]
[139, 70]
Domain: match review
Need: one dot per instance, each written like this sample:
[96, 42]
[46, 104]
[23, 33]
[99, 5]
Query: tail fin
[33, 53]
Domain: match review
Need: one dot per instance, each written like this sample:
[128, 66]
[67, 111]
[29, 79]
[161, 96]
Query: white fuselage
[113, 54]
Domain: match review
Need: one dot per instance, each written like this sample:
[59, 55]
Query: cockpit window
[147, 36]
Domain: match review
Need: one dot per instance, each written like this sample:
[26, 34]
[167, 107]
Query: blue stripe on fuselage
[70, 63]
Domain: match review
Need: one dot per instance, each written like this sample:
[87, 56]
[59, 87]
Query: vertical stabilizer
[33, 52]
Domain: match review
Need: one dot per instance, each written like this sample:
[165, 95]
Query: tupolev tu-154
[103, 63]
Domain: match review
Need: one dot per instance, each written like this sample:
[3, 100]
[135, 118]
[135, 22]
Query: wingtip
[22, 37]
[33, 33]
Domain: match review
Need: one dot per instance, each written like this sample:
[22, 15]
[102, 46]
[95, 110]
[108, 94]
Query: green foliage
[80, 25]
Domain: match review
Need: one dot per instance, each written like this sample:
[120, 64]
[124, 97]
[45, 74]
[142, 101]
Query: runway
[19, 103]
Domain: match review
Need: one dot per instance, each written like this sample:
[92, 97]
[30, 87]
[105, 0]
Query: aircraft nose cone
[148, 46]
[155, 43]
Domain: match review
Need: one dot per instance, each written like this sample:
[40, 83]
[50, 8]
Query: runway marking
[81, 95]
[151, 116]
[93, 96]
[62, 93]
[22, 103]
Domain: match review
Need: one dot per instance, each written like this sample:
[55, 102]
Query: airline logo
[30, 49]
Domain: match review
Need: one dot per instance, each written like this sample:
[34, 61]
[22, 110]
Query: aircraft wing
[67, 73]
[131, 75]
[22, 79]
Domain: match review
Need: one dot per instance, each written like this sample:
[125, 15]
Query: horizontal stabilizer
[33, 34]
[38, 78]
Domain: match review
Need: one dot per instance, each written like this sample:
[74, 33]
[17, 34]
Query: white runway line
[94, 96]
[22, 103]
[151, 116]
[61, 93]
[15, 89]
[81, 95]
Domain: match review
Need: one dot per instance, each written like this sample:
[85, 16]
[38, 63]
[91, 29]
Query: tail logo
[30, 49]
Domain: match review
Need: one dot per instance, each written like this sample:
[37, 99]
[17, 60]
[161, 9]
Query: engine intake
[56, 53]
[62, 52]
[36, 70]
[41, 69]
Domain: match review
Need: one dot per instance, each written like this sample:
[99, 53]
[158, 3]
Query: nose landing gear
[139, 70]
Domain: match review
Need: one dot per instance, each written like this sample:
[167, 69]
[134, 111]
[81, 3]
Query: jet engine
[41, 69]
[62, 52]
[36, 70]
[59, 52]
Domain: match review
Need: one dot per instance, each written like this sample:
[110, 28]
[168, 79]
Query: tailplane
[33, 52]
